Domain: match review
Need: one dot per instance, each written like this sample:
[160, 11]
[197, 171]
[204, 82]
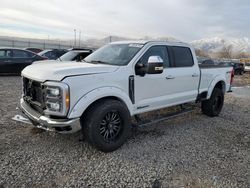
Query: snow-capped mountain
[217, 43]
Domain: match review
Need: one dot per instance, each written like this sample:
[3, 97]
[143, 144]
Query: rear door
[183, 78]
[5, 61]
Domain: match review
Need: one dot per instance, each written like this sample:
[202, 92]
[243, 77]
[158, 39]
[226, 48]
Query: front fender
[217, 79]
[86, 100]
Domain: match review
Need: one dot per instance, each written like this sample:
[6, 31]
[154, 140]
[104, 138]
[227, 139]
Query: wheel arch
[98, 95]
[218, 83]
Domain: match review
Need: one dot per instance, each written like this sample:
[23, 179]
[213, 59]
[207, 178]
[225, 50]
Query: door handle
[195, 75]
[7, 61]
[169, 77]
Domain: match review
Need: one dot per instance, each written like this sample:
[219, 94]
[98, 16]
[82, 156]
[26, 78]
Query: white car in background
[75, 55]
[247, 67]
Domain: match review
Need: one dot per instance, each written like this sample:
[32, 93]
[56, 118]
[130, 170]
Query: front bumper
[43, 122]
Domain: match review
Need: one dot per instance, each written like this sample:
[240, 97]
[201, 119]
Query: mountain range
[215, 44]
[208, 45]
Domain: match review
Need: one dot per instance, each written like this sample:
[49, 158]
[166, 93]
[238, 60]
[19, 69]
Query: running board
[163, 118]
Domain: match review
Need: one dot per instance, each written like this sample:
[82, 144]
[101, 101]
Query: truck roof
[143, 42]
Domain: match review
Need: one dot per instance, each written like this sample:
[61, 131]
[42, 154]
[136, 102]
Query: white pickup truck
[101, 94]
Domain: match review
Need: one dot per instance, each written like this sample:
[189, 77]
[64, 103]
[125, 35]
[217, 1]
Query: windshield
[247, 64]
[69, 56]
[114, 54]
[43, 52]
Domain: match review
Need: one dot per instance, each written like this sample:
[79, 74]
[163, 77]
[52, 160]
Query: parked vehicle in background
[207, 61]
[13, 61]
[35, 50]
[201, 59]
[247, 67]
[53, 54]
[239, 68]
[119, 81]
[75, 55]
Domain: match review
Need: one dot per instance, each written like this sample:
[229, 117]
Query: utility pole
[80, 38]
[75, 38]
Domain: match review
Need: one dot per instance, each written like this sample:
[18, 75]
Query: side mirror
[155, 65]
[140, 69]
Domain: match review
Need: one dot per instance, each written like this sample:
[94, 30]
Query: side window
[8, 53]
[182, 56]
[2, 53]
[5, 53]
[21, 54]
[50, 55]
[81, 56]
[85, 54]
[30, 54]
[156, 51]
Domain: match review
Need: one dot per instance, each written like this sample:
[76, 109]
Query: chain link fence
[16, 43]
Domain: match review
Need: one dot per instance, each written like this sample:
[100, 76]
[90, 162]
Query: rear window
[182, 56]
[247, 64]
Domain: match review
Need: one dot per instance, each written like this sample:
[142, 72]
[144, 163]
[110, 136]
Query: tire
[213, 106]
[241, 72]
[107, 125]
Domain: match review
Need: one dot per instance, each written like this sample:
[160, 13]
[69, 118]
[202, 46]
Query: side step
[141, 123]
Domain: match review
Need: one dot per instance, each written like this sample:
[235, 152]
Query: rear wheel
[107, 125]
[213, 106]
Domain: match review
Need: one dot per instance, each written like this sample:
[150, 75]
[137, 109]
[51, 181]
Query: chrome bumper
[43, 122]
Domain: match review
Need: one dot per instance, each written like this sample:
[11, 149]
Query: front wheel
[212, 107]
[107, 125]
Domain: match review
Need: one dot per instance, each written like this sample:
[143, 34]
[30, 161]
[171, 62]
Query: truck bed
[210, 72]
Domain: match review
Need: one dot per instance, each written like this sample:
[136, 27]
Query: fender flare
[215, 81]
[89, 98]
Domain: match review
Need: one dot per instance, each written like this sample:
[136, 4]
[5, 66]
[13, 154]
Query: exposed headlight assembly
[57, 99]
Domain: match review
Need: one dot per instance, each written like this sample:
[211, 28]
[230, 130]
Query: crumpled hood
[56, 70]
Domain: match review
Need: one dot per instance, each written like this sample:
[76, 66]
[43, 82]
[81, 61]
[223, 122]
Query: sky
[186, 20]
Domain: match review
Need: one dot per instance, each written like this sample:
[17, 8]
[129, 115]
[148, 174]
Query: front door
[151, 89]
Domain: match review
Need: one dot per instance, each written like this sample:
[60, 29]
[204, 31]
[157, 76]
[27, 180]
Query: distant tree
[201, 53]
[240, 55]
[226, 52]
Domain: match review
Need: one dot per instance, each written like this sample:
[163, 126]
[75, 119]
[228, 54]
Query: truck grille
[33, 94]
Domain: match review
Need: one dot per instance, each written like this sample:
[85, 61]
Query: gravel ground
[242, 80]
[189, 151]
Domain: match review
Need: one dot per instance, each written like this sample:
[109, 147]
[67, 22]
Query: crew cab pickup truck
[101, 94]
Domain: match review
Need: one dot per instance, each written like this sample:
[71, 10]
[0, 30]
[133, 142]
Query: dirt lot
[242, 80]
[192, 150]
